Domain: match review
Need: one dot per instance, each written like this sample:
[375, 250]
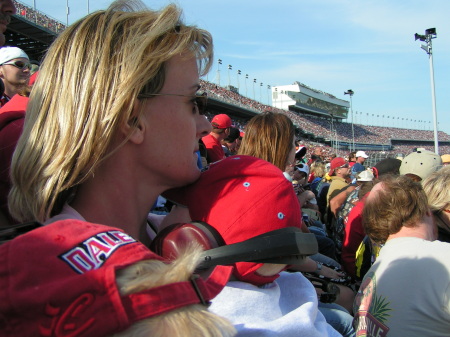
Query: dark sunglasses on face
[200, 100]
[19, 64]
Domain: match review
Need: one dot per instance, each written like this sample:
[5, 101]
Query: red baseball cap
[60, 280]
[335, 163]
[242, 197]
[221, 121]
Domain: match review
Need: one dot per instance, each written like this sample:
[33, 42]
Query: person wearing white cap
[14, 71]
[361, 157]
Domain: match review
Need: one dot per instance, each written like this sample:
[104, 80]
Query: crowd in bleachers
[38, 17]
[342, 131]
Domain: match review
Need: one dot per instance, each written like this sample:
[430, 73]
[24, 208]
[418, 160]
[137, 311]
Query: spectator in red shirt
[221, 129]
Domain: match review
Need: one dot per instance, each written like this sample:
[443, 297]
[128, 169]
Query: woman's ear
[134, 128]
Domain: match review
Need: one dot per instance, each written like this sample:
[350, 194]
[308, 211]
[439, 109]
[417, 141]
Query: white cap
[302, 168]
[361, 154]
[421, 163]
[366, 175]
[11, 53]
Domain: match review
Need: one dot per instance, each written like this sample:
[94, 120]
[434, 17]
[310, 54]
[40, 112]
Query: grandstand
[320, 128]
[303, 99]
[32, 31]
[318, 116]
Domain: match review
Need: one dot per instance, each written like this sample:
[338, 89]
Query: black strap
[282, 246]
[11, 232]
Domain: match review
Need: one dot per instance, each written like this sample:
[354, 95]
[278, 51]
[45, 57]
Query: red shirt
[214, 148]
[354, 234]
[12, 117]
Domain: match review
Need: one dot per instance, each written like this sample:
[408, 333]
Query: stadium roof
[30, 37]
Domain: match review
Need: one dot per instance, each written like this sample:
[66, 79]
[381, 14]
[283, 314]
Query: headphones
[281, 246]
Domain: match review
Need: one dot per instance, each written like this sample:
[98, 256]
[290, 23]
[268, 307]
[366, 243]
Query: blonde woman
[113, 121]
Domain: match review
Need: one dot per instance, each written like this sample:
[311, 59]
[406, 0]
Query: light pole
[350, 92]
[430, 34]
[268, 95]
[219, 62]
[237, 77]
[246, 78]
[254, 81]
[67, 12]
[276, 98]
[260, 92]
[332, 132]
[229, 68]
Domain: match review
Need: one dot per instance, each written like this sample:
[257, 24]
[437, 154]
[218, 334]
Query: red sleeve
[354, 234]
[9, 136]
[215, 153]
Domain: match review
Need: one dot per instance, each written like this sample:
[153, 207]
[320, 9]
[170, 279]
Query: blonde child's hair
[190, 321]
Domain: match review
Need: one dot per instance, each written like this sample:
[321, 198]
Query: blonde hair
[269, 136]
[437, 189]
[87, 88]
[189, 321]
[318, 168]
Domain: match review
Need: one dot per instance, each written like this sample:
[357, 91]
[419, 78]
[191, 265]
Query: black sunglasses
[19, 64]
[200, 100]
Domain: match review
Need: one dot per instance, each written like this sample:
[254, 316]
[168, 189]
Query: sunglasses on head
[200, 99]
[19, 64]
[344, 166]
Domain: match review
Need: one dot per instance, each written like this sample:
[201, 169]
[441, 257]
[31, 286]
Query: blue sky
[331, 45]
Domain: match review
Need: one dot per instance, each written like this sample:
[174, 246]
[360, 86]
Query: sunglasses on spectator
[344, 166]
[199, 100]
[19, 64]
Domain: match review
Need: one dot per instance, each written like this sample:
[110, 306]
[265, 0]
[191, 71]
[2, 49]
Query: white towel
[286, 307]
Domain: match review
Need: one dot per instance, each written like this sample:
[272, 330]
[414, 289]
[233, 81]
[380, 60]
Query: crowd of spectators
[398, 141]
[38, 17]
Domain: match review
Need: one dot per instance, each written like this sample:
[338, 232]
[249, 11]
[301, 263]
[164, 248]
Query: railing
[38, 17]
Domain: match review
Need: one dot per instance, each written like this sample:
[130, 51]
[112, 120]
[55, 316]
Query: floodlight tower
[219, 62]
[430, 34]
[237, 76]
[350, 92]
[67, 12]
[332, 130]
